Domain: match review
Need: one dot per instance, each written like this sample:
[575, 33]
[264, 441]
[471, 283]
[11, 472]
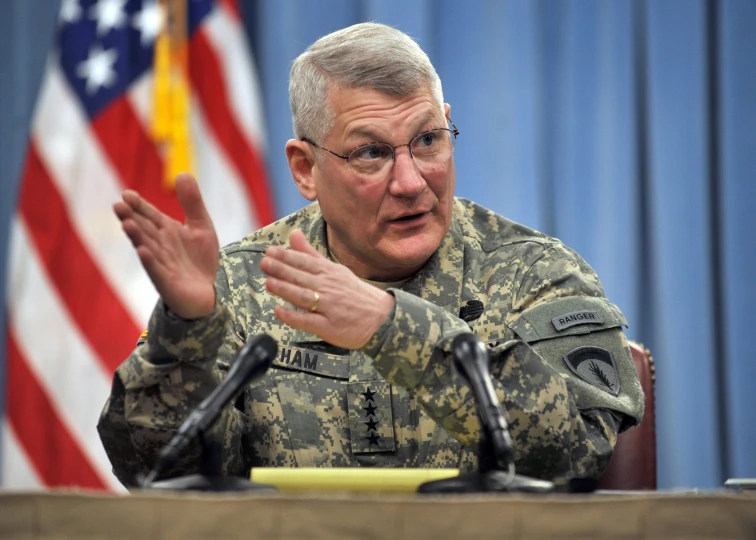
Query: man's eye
[371, 152]
[426, 139]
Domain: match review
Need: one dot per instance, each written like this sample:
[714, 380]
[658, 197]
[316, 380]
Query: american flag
[77, 296]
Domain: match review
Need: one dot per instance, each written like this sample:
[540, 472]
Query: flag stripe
[225, 33]
[140, 98]
[90, 300]
[65, 365]
[18, 471]
[44, 433]
[89, 186]
[134, 156]
[207, 81]
[232, 7]
[222, 190]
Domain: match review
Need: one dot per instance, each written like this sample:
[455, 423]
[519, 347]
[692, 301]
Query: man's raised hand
[333, 302]
[181, 259]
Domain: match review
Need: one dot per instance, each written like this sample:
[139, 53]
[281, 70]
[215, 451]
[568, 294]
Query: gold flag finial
[171, 105]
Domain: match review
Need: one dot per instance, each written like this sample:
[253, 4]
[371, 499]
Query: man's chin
[411, 252]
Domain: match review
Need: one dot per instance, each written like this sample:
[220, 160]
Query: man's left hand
[336, 305]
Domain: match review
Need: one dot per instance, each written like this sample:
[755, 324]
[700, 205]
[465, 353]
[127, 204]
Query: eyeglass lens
[429, 148]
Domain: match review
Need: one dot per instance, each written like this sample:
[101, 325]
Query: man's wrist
[375, 342]
[175, 317]
[174, 338]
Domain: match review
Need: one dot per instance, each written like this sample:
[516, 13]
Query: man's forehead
[364, 110]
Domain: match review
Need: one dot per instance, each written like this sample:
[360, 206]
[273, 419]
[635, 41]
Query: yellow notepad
[348, 479]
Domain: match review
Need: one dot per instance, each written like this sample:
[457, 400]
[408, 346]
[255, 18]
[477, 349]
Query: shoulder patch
[142, 338]
[595, 366]
[588, 316]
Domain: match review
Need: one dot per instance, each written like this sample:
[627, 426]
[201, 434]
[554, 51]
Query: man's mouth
[410, 221]
[410, 217]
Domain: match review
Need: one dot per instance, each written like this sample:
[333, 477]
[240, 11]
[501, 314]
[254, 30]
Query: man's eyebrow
[428, 117]
[364, 132]
[369, 133]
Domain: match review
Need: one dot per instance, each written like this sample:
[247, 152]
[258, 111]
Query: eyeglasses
[428, 149]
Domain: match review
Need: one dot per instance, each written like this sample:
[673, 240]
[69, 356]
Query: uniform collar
[440, 280]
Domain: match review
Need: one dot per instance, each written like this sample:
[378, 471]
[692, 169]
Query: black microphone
[473, 363]
[250, 363]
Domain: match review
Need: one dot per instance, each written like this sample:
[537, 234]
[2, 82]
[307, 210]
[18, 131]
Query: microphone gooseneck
[496, 469]
[250, 363]
[472, 361]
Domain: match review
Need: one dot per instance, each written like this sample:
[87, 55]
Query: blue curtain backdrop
[627, 129]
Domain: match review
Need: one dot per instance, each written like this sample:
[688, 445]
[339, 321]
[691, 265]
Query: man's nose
[406, 178]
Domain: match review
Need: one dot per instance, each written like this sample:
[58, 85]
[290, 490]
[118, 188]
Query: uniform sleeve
[560, 422]
[162, 381]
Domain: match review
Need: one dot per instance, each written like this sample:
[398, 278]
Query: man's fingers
[287, 272]
[301, 297]
[294, 259]
[304, 320]
[302, 255]
[298, 242]
[190, 199]
[133, 232]
[140, 206]
[146, 226]
[138, 237]
[122, 210]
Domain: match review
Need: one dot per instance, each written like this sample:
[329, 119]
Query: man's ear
[301, 158]
[447, 110]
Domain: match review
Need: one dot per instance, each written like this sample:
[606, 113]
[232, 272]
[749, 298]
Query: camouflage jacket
[560, 364]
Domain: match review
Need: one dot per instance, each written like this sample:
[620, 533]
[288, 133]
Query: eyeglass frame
[454, 132]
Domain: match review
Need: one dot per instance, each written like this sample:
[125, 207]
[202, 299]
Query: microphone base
[488, 482]
[216, 484]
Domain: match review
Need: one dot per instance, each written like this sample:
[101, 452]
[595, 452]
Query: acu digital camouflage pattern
[398, 402]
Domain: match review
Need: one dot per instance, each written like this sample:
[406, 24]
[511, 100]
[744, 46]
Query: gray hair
[363, 55]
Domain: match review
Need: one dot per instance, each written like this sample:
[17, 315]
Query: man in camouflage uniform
[379, 277]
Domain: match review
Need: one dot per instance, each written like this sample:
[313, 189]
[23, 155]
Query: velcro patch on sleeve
[371, 423]
[595, 365]
[566, 316]
[562, 322]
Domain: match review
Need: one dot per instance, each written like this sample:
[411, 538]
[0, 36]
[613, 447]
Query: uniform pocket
[300, 407]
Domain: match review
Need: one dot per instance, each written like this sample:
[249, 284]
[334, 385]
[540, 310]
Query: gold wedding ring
[317, 302]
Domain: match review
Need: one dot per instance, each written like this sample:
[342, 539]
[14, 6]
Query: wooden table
[334, 516]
